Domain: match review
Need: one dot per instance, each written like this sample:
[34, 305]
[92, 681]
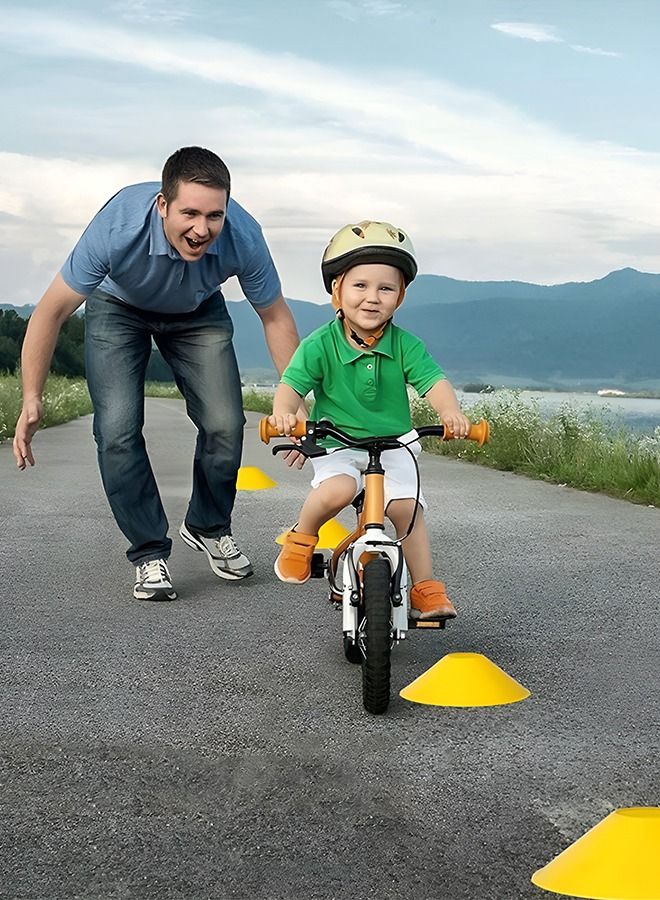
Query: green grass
[68, 398]
[64, 399]
[254, 401]
[576, 449]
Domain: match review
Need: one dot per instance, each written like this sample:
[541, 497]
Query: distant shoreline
[625, 395]
[264, 383]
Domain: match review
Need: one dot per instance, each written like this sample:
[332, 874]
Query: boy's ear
[336, 287]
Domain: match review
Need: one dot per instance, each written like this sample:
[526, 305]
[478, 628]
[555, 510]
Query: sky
[512, 140]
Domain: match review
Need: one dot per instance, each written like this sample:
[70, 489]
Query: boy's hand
[284, 423]
[457, 423]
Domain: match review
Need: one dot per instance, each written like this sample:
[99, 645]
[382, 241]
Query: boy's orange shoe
[294, 564]
[429, 600]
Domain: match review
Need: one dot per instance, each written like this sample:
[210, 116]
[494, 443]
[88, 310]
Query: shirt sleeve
[420, 369]
[89, 261]
[259, 280]
[303, 373]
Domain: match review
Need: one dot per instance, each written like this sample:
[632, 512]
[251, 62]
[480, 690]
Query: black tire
[352, 652]
[377, 637]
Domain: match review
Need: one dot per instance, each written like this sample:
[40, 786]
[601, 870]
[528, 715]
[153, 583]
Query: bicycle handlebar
[479, 432]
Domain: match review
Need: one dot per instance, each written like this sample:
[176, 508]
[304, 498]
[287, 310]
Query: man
[150, 264]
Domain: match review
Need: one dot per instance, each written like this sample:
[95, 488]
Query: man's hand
[28, 422]
[294, 458]
[56, 305]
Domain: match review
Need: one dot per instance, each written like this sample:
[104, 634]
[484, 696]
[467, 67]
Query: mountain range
[602, 333]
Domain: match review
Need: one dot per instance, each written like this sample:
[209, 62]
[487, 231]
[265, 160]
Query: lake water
[634, 413]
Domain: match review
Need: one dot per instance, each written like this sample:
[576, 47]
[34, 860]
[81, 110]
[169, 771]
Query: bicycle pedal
[426, 623]
[319, 566]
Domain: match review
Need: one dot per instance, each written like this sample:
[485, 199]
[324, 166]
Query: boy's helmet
[368, 242]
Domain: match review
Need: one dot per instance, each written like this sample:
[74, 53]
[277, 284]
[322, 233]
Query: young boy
[358, 367]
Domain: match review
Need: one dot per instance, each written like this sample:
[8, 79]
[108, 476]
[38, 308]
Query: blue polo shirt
[124, 251]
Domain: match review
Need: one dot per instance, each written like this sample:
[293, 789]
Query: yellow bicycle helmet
[368, 242]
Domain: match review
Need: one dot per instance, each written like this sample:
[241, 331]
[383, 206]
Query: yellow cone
[464, 679]
[616, 860]
[330, 534]
[250, 478]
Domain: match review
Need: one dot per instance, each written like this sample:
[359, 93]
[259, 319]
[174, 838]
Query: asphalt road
[216, 747]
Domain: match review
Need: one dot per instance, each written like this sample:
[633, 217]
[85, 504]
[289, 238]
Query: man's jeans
[198, 347]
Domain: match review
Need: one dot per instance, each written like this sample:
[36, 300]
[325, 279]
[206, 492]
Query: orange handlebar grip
[479, 432]
[267, 431]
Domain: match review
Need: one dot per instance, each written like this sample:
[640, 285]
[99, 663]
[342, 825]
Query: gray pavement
[216, 747]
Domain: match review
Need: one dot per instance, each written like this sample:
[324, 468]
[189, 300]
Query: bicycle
[373, 592]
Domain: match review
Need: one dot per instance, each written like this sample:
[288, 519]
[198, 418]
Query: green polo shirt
[363, 393]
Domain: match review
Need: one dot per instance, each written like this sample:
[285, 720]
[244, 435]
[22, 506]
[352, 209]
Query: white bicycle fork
[375, 540]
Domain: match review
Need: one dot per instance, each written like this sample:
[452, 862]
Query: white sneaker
[223, 555]
[153, 581]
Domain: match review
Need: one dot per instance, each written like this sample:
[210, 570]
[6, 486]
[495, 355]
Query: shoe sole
[433, 616]
[157, 596]
[221, 573]
[289, 580]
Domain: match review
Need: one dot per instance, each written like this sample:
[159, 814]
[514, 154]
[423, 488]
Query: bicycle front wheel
[377, 636]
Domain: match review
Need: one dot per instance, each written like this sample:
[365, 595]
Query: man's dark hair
[194, 164]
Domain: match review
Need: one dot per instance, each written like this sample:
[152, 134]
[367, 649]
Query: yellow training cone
[464, 679]
[330, 534]
[250, 478]
[616, 860]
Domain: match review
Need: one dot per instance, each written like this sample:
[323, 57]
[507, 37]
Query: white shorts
[400, 470]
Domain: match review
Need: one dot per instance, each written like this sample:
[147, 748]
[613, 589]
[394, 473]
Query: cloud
[353, 10]
[432, 116]
[149, 12]
[529, 31]
[45, 205]
[546, 34]
[384, 7]
[311, 146]
[345, 9]
[595, 51]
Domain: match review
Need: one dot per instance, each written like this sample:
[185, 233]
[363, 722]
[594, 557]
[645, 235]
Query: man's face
[194, 219]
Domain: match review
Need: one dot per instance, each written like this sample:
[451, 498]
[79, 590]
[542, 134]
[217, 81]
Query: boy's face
[369, 296]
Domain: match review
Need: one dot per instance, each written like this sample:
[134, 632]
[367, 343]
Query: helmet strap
[361, 342]
[371, 340]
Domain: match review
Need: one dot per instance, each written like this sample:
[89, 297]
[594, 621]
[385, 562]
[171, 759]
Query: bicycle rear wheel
[377, 637]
